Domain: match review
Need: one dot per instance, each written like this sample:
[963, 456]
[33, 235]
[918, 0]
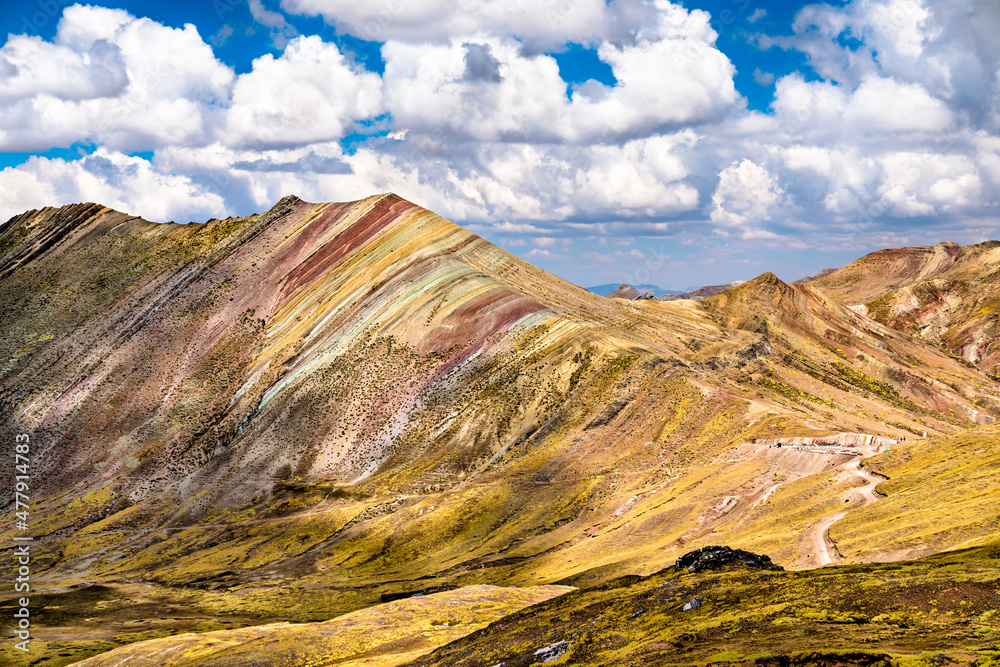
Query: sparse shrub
[898, 619]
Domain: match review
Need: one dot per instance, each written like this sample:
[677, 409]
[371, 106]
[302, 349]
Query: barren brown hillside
[947, 294]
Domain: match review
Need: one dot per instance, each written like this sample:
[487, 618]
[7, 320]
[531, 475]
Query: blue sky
[632, 140]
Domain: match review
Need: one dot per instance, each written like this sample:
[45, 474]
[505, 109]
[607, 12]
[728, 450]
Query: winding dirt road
[819, 533]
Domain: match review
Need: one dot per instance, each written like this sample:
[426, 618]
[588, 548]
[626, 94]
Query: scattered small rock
[552, 651]
[693, 604]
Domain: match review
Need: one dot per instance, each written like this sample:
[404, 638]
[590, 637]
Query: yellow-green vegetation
[83, 620]
[891, 614]
[940, 491]
[776, 526]
[862, 381]
[794, 393]
[670, 424]
[13, 235]
[54, 652]
[385, 635]
[991, 307]
[878, 309]
[198, 552]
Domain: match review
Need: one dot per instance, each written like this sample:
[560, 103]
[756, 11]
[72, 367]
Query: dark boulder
[717, 558]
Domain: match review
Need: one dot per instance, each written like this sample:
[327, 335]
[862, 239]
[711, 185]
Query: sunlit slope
[939, 611]
[939, 491]
[384, 635]
[812, 329]
[882, 271]
[301, 342]
[947, 294]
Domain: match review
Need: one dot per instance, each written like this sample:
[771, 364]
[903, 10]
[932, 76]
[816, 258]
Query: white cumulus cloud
[487, 88]
[309, 94]
[128, 184]
[540, 23]
[746, 196]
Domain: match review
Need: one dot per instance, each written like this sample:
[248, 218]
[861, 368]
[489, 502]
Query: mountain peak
[767, 278]
[765, 284]
[625, 291]
[765, 293]
[287, 200]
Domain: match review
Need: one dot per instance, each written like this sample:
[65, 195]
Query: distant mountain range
[646, 291]
[605, 290]
[626, 291]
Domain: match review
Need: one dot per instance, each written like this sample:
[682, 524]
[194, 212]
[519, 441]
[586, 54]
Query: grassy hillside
[938, 611]
[388, 634]
[940, 491]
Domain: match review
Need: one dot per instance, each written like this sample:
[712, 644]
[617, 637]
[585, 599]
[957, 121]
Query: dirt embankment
[850, 440]
[794, 458]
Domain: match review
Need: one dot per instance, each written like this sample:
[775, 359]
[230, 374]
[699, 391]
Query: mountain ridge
[942, 293]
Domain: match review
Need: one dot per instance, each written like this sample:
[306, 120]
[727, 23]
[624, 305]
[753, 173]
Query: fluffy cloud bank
[110, 79]
[110, 178]
[308, 95]
[897, 124]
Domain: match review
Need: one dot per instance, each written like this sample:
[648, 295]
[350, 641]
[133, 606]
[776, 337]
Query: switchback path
[819, 533]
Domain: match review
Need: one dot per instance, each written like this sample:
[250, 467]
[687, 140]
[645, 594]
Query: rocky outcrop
[722, 557]
[626, 291]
